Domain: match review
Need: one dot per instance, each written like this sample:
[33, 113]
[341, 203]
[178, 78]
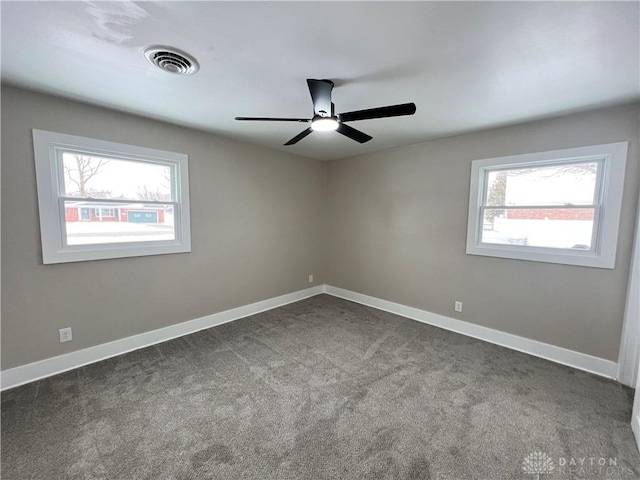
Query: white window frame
[48, 150]
[608, 204]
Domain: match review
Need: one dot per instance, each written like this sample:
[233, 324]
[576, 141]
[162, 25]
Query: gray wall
[397, 224]
[391, 225]
[257, 232]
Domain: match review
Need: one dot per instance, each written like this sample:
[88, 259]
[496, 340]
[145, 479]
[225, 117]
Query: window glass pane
[98, 177]
[89, 223]
[567, 228]
[570, 184]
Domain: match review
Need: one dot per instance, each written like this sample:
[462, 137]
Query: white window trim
[603, 254]
[50, 181]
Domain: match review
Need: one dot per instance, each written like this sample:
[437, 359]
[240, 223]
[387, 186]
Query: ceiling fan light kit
[324, 118]
[324, 124]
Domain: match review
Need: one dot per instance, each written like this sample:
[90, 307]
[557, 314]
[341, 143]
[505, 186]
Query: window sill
[545, 255]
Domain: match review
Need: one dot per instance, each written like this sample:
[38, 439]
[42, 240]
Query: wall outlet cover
[65, 334]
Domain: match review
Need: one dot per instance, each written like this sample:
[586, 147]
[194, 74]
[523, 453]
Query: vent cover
[171, 60]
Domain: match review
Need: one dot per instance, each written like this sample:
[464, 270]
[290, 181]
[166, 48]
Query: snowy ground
[541, 233]
[85, 233]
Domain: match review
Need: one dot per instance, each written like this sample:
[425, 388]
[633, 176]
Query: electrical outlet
[65, 334]
[310, 278]
[458, 306]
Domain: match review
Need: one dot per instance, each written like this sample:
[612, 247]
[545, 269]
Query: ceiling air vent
[171, 60]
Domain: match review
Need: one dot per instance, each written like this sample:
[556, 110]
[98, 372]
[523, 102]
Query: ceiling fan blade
[321, 95]
[299, 137]
[380, 112]
[267, 119]
[353, 134]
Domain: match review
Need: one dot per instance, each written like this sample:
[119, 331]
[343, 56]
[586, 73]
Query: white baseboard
[14, 377]
[581, 361]
[635, 426]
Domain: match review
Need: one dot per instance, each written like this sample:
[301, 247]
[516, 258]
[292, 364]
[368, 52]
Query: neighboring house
[131, 213]
[551, 188]
[551, 214]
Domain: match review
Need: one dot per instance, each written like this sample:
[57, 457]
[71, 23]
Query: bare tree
[577, 169]
[144, 193]
[84, 170]
[166, 178]
[162, 193]
[94, 193]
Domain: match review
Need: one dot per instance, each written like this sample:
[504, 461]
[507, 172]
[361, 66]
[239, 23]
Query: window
[105, 212]
[100, 199]
[561, 206]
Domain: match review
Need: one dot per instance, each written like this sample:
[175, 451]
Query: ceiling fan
[325, 119]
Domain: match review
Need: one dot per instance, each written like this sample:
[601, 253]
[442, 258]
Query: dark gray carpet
[319, 389]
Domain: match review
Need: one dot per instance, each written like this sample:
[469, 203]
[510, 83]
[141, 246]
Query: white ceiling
[466, 65]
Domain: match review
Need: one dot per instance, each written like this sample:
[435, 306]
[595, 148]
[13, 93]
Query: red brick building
[550, 214]
[131, 213]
